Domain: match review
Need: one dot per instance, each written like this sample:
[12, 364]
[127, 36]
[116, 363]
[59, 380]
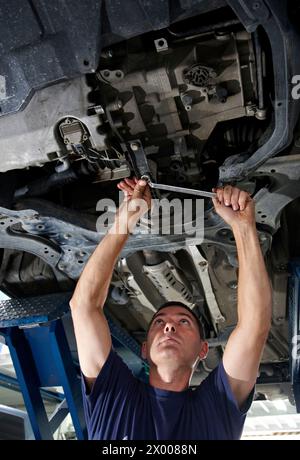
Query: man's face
[174, 336]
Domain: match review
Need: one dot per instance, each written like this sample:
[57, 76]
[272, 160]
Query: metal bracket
[201, 266]
[139, 159]
[284, 174]
[284, 41]
[161, 45]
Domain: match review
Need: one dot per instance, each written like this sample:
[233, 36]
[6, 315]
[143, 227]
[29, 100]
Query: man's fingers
[219, 192]
[231, 196]
[235, 198]
[135, 189]
[125, 187]
[215, 202]
[141, 184]
[130, 182]
[227, 195]
[139, 188]
[243, 198]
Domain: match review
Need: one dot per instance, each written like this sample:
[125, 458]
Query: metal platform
[33, 310]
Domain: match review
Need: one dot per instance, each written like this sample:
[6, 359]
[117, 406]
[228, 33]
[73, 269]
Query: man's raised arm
[90, 325]
[245, 345]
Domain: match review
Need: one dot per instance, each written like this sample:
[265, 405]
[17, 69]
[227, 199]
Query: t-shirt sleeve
[222, 404]
[108, 393]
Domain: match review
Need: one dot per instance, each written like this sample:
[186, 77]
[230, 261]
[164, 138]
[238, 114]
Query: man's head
[175, 336]
[179, 304]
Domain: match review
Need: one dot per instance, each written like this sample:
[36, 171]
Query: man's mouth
[168, 339]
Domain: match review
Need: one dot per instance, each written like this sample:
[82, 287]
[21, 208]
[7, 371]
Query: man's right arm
[90, 325]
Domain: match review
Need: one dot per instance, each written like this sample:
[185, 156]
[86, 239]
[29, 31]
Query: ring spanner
[173, 188]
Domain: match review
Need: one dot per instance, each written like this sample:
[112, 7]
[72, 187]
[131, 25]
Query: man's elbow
[86, 304]
[76, 306]
[79, 301]
[73, 303]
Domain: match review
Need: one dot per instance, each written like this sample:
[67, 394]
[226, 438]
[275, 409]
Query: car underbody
[195, 94]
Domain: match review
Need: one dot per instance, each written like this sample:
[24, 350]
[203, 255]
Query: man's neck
[172, 379]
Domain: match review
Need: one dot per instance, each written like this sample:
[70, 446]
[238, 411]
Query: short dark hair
[174, 303]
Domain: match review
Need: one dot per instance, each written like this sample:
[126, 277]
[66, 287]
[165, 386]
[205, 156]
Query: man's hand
[136, 203]
[235, 206]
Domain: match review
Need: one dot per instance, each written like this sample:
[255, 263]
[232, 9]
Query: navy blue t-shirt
[120, 406]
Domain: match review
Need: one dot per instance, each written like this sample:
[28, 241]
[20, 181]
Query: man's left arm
[245, 345]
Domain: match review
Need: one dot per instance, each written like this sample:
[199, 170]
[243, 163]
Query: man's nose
[169, 327]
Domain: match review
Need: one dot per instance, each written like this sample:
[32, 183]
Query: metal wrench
[173, 188]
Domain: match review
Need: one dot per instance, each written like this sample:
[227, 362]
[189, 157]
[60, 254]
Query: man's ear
[204, 350]
[144, 350]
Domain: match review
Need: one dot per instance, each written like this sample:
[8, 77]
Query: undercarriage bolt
[203, 264]
[96, 109]
[256, 6]
[135, 146]
[115, 105]
[224, 232]
[233, 285]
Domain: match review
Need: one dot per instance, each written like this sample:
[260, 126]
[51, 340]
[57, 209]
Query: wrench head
[146, 178]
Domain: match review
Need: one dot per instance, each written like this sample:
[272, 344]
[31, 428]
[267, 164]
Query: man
[119, 406]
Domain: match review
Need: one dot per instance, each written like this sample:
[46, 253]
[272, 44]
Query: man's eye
[158, 321]
[184, 321]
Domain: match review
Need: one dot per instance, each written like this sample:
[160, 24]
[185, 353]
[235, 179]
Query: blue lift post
[35, 335]
[294, 328]
[34, 332]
